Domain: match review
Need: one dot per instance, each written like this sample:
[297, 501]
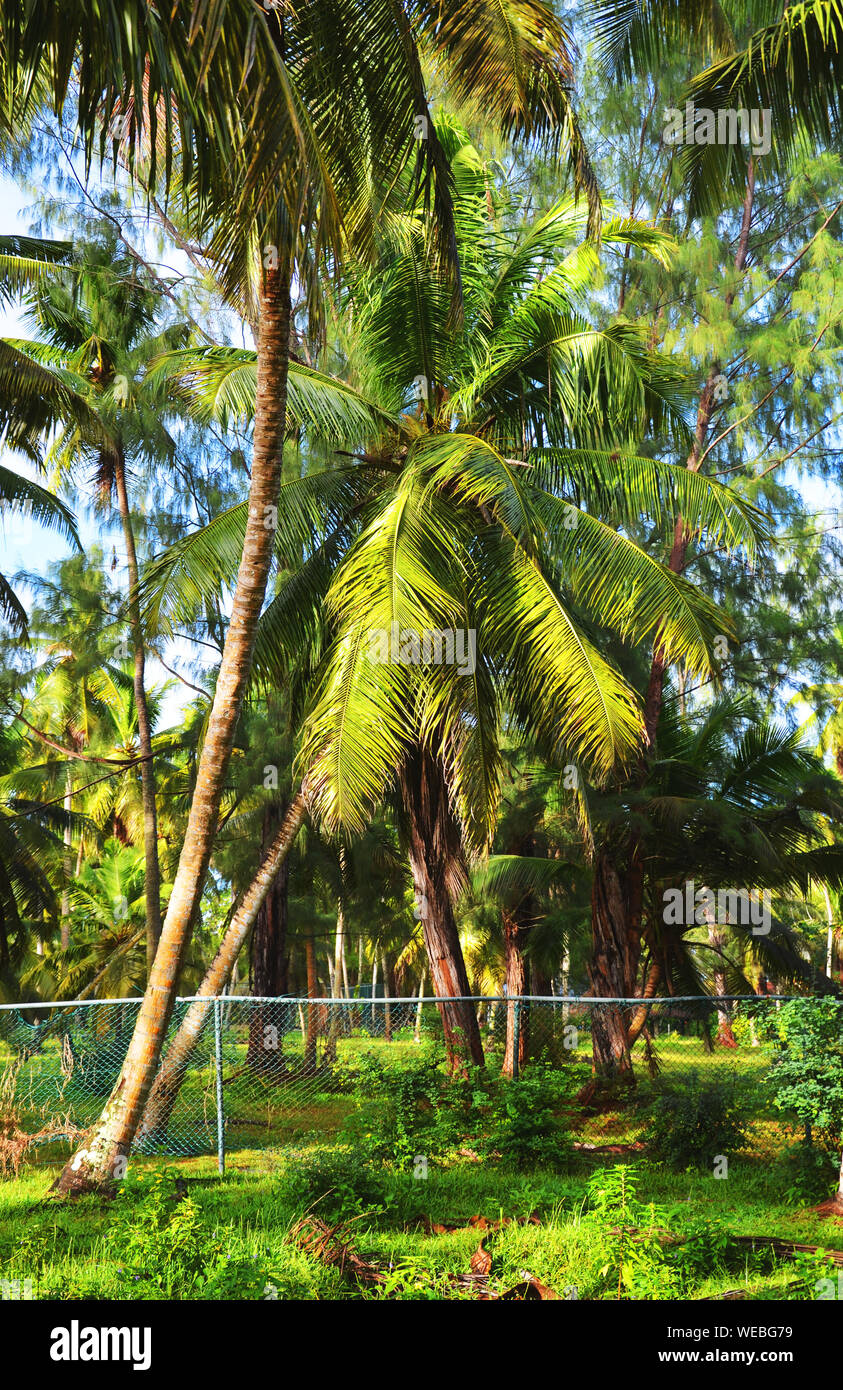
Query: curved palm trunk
[67, 861]
[434, 853]
[165, 1089]
[111, 1137]
[152, 881]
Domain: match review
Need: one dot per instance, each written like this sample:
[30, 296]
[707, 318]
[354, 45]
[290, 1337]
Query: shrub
[415, 1109]
[165, 1252]
[692, 1126]
[523, 1124]
[806, 1174]
[338, 1182]
[806, 1076]
[403, 1110]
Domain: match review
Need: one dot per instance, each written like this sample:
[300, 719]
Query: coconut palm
[729, 803]
[292, 124]
[31, 834]
[754, 55]
[472, 512]
[24, 261]
[97, 330]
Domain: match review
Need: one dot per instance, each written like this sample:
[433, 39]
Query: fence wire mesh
[267, 1072]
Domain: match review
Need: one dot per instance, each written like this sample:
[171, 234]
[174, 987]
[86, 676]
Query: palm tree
[282, 155]
[789, 63]
[434, 525]
[31, 832]
[24, 261]
[729, 803]
[97, 334]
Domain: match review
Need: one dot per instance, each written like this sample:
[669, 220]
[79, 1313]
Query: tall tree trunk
[419, 1010]
[165, 1089]
[681, 535]
[613, 970]
[514, 939]
[517, 921]
[111, 1137]
[152, 871]
[68, 859]
[435, 858]
[387, 993]
[335, 1018]
[716, 940]
[312, 993]
[269, 952]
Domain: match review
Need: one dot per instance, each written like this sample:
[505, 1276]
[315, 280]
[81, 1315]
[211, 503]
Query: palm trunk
[312, 993]
[111, 1137]
[269, 954]
[336, 1015]
[613, 970]
[516, 929]
[705, 410]
[387, 1010]
[434, 852]
[725, 1036]
[152, 880]
[638, 1022]
[68, 860]
[419, 1008]
[162, 1096]
[514, 936]
[617, 900]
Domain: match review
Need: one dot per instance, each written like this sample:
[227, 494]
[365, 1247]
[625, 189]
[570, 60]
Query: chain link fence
[268, 1072]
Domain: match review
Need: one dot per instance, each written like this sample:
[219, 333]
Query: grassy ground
[95, 1248]
[296, 1146]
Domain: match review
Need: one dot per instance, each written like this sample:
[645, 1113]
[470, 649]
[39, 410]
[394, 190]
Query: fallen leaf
[481, 1260]
[530, 1291]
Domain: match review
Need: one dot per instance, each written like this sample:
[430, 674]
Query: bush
[805, 1174]
[806, 1076]
[416, 1109]
[637, 1250]
[523, 1126]
[403, 1110]
[167, 1253]
[338, 1182]
[691, 1127]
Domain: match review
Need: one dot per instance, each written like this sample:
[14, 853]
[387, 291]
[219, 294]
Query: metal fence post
[516, 1036]
[220, 1116]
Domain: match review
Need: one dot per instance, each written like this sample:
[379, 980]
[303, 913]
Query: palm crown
[489, 494]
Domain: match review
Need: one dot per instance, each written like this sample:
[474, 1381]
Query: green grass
[70, 1250]
[290, 1151]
